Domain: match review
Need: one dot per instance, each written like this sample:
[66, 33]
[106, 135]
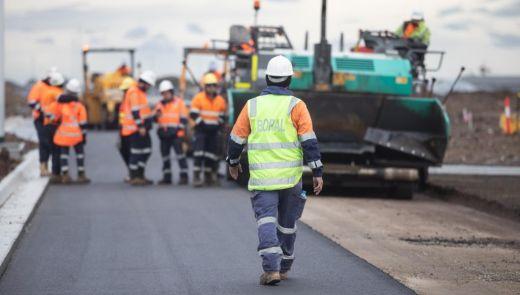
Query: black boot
[167, 179]
[184, 179]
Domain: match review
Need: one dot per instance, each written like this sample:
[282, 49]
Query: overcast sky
[41, 34]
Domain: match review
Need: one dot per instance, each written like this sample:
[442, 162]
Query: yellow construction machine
[102, 96]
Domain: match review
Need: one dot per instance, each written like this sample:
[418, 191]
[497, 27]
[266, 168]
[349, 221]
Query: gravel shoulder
[431, 246]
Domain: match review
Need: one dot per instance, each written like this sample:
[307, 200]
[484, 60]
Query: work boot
[197, 179]
[44, 170]
[270, 278]
[184, 179]
[82, 178]
[208, 179]
[141, 175]
[65, 178]
[55, 179]
[215, 179]
[284, 275]
[137, 181]
[167, 180]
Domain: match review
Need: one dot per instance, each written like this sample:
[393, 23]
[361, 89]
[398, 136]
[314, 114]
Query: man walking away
[172, 117]
[277, 129]
[208, 110]
[136, 123]
[124, 140]
[71, 116]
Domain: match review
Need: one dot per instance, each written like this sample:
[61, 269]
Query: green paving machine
[371, 126]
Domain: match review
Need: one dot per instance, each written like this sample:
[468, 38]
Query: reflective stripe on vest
[273, 147]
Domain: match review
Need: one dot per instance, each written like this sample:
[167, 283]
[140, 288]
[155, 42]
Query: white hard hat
[50, 71]
[417, 15]
[166, 85]
[213, 66]
[279, 66]
[148, 77]
[56, 79]
[73, 86]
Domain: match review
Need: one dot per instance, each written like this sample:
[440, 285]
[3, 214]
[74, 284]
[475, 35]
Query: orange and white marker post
[507, 112]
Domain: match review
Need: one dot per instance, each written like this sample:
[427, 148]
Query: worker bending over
[71, 117]
[277, 129]
[124, 139]
[136, 124]
[172, 117]
[208, 110]
[42, 94]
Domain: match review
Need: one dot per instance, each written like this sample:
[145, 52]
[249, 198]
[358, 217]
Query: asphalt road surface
[110, 238]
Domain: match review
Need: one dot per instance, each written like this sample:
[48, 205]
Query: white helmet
[50, 71]
[166, 85]
[56, 79]
[417, 15]
[73, 86]
[148, 77]
[279, 66]
[212, 66]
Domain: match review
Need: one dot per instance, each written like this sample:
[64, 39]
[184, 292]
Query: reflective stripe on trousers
[276, 214]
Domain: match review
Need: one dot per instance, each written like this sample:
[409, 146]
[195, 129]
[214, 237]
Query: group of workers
[60, 120]
[207, 115]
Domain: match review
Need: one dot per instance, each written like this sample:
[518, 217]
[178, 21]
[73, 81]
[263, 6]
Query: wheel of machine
[423, 178]
[402, 192]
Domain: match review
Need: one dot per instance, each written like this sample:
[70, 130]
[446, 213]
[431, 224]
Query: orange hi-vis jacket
[135, 102]
[35, 95]
[171, 114]
[71, 115]
[211, 111]
[45, 95]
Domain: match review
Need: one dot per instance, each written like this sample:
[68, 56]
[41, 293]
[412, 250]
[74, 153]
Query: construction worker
[208, 110]
[277, 129]
[172, 117]
[71, 117]
[48, 99]
[33, 99]
[136, 124]
[417, 34]
[124, 139]
[415, 29]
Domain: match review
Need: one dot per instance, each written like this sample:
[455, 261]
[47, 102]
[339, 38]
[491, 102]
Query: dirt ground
[485, 143]
[431, 246]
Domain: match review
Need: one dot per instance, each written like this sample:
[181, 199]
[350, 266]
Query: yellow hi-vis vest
[273, 149]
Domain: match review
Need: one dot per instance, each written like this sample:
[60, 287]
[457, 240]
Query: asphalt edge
[331, 240]
[6, 187]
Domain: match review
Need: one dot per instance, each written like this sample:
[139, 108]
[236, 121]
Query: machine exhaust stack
[322, 55]
[306, 42]
[341, 42]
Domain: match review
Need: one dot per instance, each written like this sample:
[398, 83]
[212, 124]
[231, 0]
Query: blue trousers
[276, 213]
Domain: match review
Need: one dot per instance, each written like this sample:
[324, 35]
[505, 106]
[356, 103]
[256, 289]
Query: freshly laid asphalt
[110, 238]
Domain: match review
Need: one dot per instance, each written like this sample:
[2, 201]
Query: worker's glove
[84, 138]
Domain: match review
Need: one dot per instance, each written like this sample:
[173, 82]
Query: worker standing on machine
[415, 29]
[277, 129]
[71, 117]
[124, 139]
[34, 99]
[208, 110]
[172, 117]
[418, 36]
[136, 124]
